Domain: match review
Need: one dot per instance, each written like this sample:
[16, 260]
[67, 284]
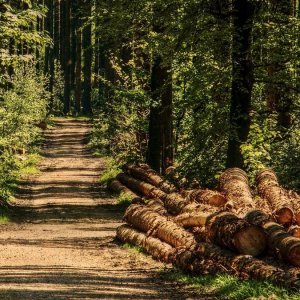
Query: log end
[217, 200]
[295, 231]
[284, 216]
[297, 217]
[294, 256]
[250, 241]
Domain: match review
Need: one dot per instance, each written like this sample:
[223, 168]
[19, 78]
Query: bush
[23, 107]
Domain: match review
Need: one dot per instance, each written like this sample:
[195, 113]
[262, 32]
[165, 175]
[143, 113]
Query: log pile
[210, 231]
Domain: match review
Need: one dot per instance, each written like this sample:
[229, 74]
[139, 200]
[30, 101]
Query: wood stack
[206, 231]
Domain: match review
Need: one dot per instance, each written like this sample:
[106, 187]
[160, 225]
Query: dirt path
[61, 242]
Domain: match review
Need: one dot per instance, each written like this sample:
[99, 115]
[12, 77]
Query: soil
[61, 241]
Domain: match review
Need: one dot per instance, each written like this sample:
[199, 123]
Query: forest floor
[60, 243]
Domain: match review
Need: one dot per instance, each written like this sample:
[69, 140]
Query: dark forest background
[200, 84]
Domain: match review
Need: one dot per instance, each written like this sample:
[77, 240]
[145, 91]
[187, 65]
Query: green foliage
[233, 288]
[133, 249]
[16, 22]
[197, 36]
[22, 109]
[124, 199]
[110, 172]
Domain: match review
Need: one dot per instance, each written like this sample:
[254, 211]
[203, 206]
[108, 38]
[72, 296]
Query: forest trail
[60, 243]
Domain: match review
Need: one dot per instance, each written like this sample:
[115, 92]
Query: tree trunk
[56, 41]
[278, 238]
[279, 96]
[242, 80]
[87, 59]
[160, 145]
[66, 59]
[268, 188]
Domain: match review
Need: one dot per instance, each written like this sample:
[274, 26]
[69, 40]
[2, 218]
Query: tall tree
[66, 59]
[242, 80]
[87, 58]
[78, 67]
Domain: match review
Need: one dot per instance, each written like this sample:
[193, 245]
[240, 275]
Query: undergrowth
[231, 287]
[112, 169]
[224, 285]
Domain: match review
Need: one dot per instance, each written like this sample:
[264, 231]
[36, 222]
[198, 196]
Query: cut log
[280, 204]
[234, 184]
[157, 206]
[179, 180]
[210, 258]
[279, 239]
[225, 229]
[146, 220]
[158, 249]
[117, 187]
[205, 196]
[294, 231]
[150, 176]
[174, 203]
[295, 200]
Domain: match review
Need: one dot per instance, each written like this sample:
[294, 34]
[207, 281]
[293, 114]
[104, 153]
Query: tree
[87, 59]
[242, 80]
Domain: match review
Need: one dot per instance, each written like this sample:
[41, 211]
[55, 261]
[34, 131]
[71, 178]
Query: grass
[223, 285]
[124, 199]
[231, 287]
[134, 249]
[4, 217]
[110, 172]
[29, 166]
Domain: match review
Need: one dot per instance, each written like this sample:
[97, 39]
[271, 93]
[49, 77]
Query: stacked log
[269, 189]
[279, 239]
[117, 187]
[205, 196]
[295, 200]
[294, 230]
[208, 258]
[150, 176]
[180, 181]
[234, 184]
[203, 236]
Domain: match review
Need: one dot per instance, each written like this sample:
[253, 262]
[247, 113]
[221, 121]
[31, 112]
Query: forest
[200, 84]
[170, 87]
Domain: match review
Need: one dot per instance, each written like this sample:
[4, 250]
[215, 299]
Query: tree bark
[279, 239]
[88, 59]
[146, 220]
[117, 187]
[160, 145]
[234, 184]
[145, 173]
[205, 196]
[268, 188]
[208, 258]
[242, 80]
[66, 59]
